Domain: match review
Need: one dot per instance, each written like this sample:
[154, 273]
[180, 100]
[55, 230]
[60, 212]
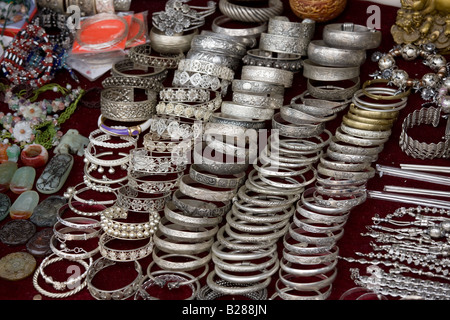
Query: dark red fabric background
[85, 120]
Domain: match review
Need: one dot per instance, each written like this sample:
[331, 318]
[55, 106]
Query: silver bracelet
[270, 75]
[118, 294]
[251, 14]
[121, 255]
[351, 36]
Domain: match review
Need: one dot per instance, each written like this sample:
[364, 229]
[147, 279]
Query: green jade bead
[23, 180]
[7, 170]
[24, 205]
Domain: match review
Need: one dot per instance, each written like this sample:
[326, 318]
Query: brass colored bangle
[373, 114]
[386, 122]
[378, 97]
[365, 126]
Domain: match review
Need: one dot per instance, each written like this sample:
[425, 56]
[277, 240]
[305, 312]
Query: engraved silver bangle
[213, 43]
[198, 80]
[223, 59]
[198, 208]
[165, 244]
[333, 93]
[251, 14]
[140, 83]
[351, 36]
[286, 61]
[257, 87]
[208, 68]
[321, 54]
[172, 214]
[82, 222]
[178, 232]
[219, 117]
[160, 277]
[127, 68]
[142, 55]
[296, 131]
[118, 294]
[246, 41]
[153, 183]
[245, 111]
[237, 289]
[318, 107]
[61, 249]
[217, 26]
[280, 25]
[187, 187]
[189, 263]
[118, 104]
[176, 45]
[212, 180]
[136, 201]
[270, 75]
[206, 293]
[321, 73]
[144, 161]
[283, 44]
[122, 255]
[293, 114]
[260, 101]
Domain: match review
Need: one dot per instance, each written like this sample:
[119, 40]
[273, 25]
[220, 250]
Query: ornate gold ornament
[423, 21]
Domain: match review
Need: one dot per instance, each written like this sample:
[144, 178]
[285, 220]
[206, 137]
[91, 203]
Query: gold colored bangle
[364, 126]
[379, 97]
[384, 122]
[373, 114]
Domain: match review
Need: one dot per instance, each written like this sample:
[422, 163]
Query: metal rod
[410, 174]
[380, 195]
[425, 192]
[419, 167]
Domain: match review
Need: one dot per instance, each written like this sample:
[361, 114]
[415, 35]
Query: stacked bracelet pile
[337, 58]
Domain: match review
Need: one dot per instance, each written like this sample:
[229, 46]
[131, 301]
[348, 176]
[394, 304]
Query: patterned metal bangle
[272, 102]
[198, 80]
[119, 70]
[118, 294]
[289, 61]
[153, 142]
[223, 59]
[270, 75]
[141, 55]
[248, 112]
[283, 44]
[251, 14]
[141, 83]
[180, 94]
[257, 87]
[176, 44]
[296, 131]
[143, 161]
[329, 92]
[183, 110]
[197, 208]
[175, 129]
[217, 26]
[321, 73]
[123, 254]
[212, 180]
[118, 104]
[208, 68]
[137, 201]
[55, 5]
[222, 118]
[218, 44]
[151, 183]
[423, 150]
[102, 140]
[280, 25]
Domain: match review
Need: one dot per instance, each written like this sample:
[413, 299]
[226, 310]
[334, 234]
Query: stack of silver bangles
[337, 58]
[72, 235]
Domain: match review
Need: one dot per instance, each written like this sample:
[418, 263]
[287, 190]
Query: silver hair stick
[426, 192]
[410, 174]
[408, 199]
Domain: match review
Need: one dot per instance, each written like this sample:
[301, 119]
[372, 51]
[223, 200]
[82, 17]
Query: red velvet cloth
[85, 120]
